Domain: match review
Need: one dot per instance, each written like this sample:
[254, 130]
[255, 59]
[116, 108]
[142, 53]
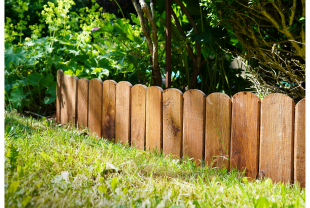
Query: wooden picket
[65, 96]
[300, 143]
[276, 138]
[82, 103]
[193, 125]
[122, 117]
[218, 126]
[108, 109]
[60, 77]
[154, 119]
[95, 106]
[245, 133]
[266, 139]
[69, 93]
[172, 122]
[138, 116]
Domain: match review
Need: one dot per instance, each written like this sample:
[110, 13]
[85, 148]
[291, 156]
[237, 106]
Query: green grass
[104, 174]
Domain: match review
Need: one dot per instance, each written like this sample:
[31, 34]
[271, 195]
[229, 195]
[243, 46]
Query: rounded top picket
[110, 81]
[277, 97]
[60, 71]
[139, 86]
[173, 89]
[83, 80]
[218, 94]
[67, 76]
[194, 91]
[74, 77]
[124, 83]
[243, 94]
[154, 88]
[301, 102]
[95, 80]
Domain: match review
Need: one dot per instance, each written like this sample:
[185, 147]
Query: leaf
[102, 189]
[75, 52]
[14, 56]
[34, 78]
[114, 53]
[135, 19]
[196, 203]
[121, 61]
[262, 202]
[17, 95]
[48, 48]
[26, 200]
[47, 80]
[52, 91]
[7, 87]
[302, 18]
[13, 187]
[22, 82]
[114, 183]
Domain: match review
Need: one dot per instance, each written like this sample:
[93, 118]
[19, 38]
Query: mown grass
[51, 166]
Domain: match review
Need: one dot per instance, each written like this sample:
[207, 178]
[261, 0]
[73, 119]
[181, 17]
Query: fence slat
[172, 122]
[60, 77]
[300, 143]
[95, 106]
[82, 103]
[65, 96]
[138, 116]
[193, 124]
[122, 117]
[276, 138]
[69, 94]
[218, 126]
[154, 118]
[108, 109]
[245, 133]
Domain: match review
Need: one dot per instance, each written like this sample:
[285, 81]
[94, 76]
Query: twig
[35, 114]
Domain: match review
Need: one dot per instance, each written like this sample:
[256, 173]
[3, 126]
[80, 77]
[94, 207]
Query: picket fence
[266, 138]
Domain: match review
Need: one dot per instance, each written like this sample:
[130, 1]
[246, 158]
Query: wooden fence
[266, 138]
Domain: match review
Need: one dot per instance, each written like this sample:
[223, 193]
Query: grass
[47, 165]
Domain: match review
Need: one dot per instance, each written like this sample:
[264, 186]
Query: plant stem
[120, 8]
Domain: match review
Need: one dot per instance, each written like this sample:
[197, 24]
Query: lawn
[48, 165]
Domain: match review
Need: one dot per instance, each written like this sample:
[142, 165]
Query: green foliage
[115, 51]
[91, 44]
[272, 34]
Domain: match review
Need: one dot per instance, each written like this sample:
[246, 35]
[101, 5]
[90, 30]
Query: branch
[188, 47]
[143, 25]
[293, 13]
[154, 53]
[190, 19]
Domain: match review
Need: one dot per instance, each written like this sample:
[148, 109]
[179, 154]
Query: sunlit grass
[51, 166]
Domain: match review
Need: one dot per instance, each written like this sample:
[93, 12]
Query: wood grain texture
[69, 89]
[154, 119]
[300, 143]
[60, 76]
[276, 138]
[122, 117]
[172, 122]
[218, 126]
[245, 133]
[138, 116]
[194, 125]
[108, 109]
[82, 103]
[95, 106]
[64, 119]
